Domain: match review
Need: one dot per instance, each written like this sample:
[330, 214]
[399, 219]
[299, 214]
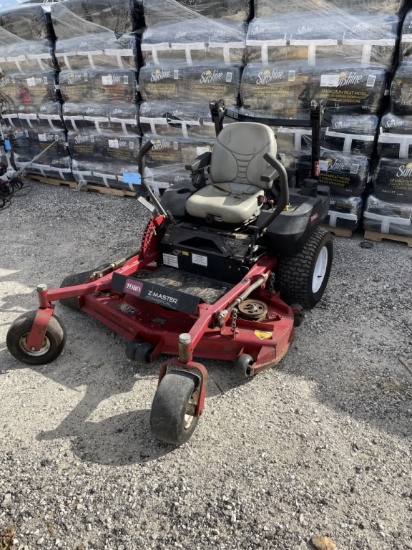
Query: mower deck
[137, 318]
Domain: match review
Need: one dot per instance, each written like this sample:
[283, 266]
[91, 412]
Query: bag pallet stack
[388, 210]
[31, 112]
[340, 52]
[193, 53]
[97, 56]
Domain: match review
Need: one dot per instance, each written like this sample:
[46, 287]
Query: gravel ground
[319, 446]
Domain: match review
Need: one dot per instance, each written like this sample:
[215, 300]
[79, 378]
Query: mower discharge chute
[227, 263]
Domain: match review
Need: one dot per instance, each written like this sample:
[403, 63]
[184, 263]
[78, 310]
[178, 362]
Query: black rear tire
[52, 346]
[74, 280]
[171, 417]
[303, 278]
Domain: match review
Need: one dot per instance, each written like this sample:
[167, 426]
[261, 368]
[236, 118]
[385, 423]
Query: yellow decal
[263, 335]
[184, 253]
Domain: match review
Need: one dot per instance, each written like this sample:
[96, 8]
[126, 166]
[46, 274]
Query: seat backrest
[237, 155]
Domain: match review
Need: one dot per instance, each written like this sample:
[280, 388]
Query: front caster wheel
[172, 417]
[52, 345]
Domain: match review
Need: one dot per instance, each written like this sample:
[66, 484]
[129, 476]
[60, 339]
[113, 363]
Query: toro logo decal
[314, 217]
[133, 287]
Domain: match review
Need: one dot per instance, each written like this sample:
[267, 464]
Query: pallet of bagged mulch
[383, 220]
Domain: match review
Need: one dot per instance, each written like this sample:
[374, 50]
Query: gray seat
[236, 169]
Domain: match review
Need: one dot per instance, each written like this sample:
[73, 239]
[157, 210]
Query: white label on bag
[107, 80]
[323, 165]
[114, 143]
[229, 77]
[329, 80]
[354, 169]
[31, 81]
[370, 83]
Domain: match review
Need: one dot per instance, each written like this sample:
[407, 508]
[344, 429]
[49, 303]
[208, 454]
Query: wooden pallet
[339, 231]
[378, 237]
[88, 187]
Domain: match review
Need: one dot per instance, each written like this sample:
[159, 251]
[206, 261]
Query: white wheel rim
[320, 270]
[45, 346]
[191, 405]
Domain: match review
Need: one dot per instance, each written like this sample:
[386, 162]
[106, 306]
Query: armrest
[269, 175]
[202, 161]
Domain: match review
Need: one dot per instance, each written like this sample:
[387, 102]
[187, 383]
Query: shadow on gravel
[380, 396]
[121, 439]
[116, 441]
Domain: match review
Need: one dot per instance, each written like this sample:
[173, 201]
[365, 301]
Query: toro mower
[227, 264]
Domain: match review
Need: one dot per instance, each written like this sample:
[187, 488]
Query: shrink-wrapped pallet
[79, 18]
[47, 116]
[28, 22]
[98, 86]
[344, 212]
[27, 144]
[345, 175]
[33, 88]
[392, 180]
[194, 42]
[278, 89]
[270, 7]
[22, 56]
[185, 120]
[175, 151]
[169, 11]
[395, 136]
[190, 83]
[387, 217]
[98, 50]
[285, 90]
[105, 174]
[104, 147]
[401, 90]
[315, 37]
[405, 39]
[102, 117]
[351, 134]
[350, 90]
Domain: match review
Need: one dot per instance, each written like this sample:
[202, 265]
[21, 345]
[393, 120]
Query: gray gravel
[319, 446]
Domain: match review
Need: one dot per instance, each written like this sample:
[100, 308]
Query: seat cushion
[231, 202]
[238, 154]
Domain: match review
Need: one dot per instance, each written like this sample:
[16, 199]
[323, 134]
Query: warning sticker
[262, 335]
[199, 260]
[170, 259]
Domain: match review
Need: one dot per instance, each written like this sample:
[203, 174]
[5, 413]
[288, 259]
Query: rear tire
[73, 280]
[302, 278]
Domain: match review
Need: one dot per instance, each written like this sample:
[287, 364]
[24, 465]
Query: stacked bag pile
[96, 52]
[31, 110]
[193, 53]
[340, 52]
[93, 81]
[389, 208]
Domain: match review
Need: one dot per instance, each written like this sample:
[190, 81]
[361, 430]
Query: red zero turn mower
[226, 265]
